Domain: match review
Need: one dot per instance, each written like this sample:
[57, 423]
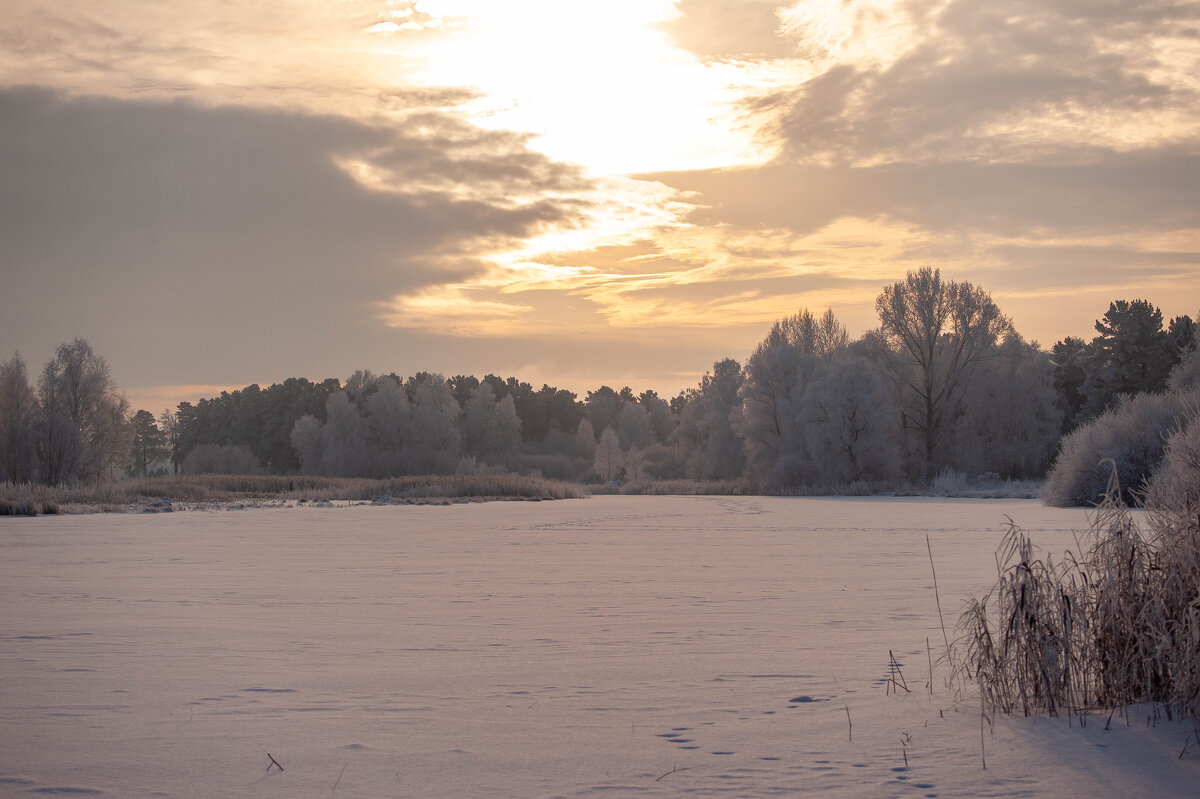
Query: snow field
[613, 646]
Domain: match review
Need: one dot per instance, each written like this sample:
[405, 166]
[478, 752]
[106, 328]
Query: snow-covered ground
[605, 647]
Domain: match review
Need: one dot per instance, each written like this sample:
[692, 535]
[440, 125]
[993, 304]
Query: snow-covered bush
[1174, 493]
[1186, 374]
[1130, 438]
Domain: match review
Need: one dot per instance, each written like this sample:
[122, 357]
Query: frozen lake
[602, 647]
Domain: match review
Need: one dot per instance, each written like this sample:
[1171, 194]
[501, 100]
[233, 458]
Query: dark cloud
[75, 46]
[1158, 189]
[185, 234]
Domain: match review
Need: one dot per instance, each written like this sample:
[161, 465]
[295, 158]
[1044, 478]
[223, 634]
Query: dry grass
[147, 492]
[1117, 625]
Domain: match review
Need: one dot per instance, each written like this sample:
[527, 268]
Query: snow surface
[614, 646]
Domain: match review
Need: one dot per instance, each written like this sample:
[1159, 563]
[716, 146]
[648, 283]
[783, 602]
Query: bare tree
[168, 423]
[84, 430]
[942, 330]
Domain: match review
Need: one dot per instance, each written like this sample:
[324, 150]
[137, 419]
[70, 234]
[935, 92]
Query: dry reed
[146, 492]
[1117, 625]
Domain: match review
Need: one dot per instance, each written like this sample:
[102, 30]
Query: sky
[216, 193]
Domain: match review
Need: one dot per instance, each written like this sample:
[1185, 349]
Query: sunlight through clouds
[452, 308]
[867, 33]
[598, 84]
[470, 172]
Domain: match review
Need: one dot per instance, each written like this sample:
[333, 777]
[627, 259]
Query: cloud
[339, 189]
[452, 310]
[187, 233]
[1097, 191]
[1013, 80]
[729, 29]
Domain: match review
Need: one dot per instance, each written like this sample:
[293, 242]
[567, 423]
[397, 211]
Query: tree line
[944, 382]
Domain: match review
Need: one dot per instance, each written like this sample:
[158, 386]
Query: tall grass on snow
[1116, 626]
[219, 488]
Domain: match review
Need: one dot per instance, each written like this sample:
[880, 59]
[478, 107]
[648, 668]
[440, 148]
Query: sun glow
[598, 85]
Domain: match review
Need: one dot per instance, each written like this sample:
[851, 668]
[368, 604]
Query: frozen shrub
[1186, 374]
[1130, 438]
[1174, 493]
[949, 481]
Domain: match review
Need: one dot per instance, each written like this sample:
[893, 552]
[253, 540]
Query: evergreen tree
[147, 442]
[1131, 354]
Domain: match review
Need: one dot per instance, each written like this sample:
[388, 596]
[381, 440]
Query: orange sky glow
[576, 193]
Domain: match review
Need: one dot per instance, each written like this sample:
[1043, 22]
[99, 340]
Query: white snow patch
[613, 646]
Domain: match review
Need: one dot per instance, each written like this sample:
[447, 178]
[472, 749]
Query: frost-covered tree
[585, 440]
[491, 430]
[603, 408]
[388, 426]
[709, 421]
[83, 427]
[634, 427]
[662, 420]
[1011, 420]
[609, 459]
[309, 442]
[344, 451]
[943, 331]
[775, 377]
[369, 434]
[849, 427]
[168, 423]
[436, 439]
[1186, 374]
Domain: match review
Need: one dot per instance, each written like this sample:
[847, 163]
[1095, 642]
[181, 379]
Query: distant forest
[944, 385]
